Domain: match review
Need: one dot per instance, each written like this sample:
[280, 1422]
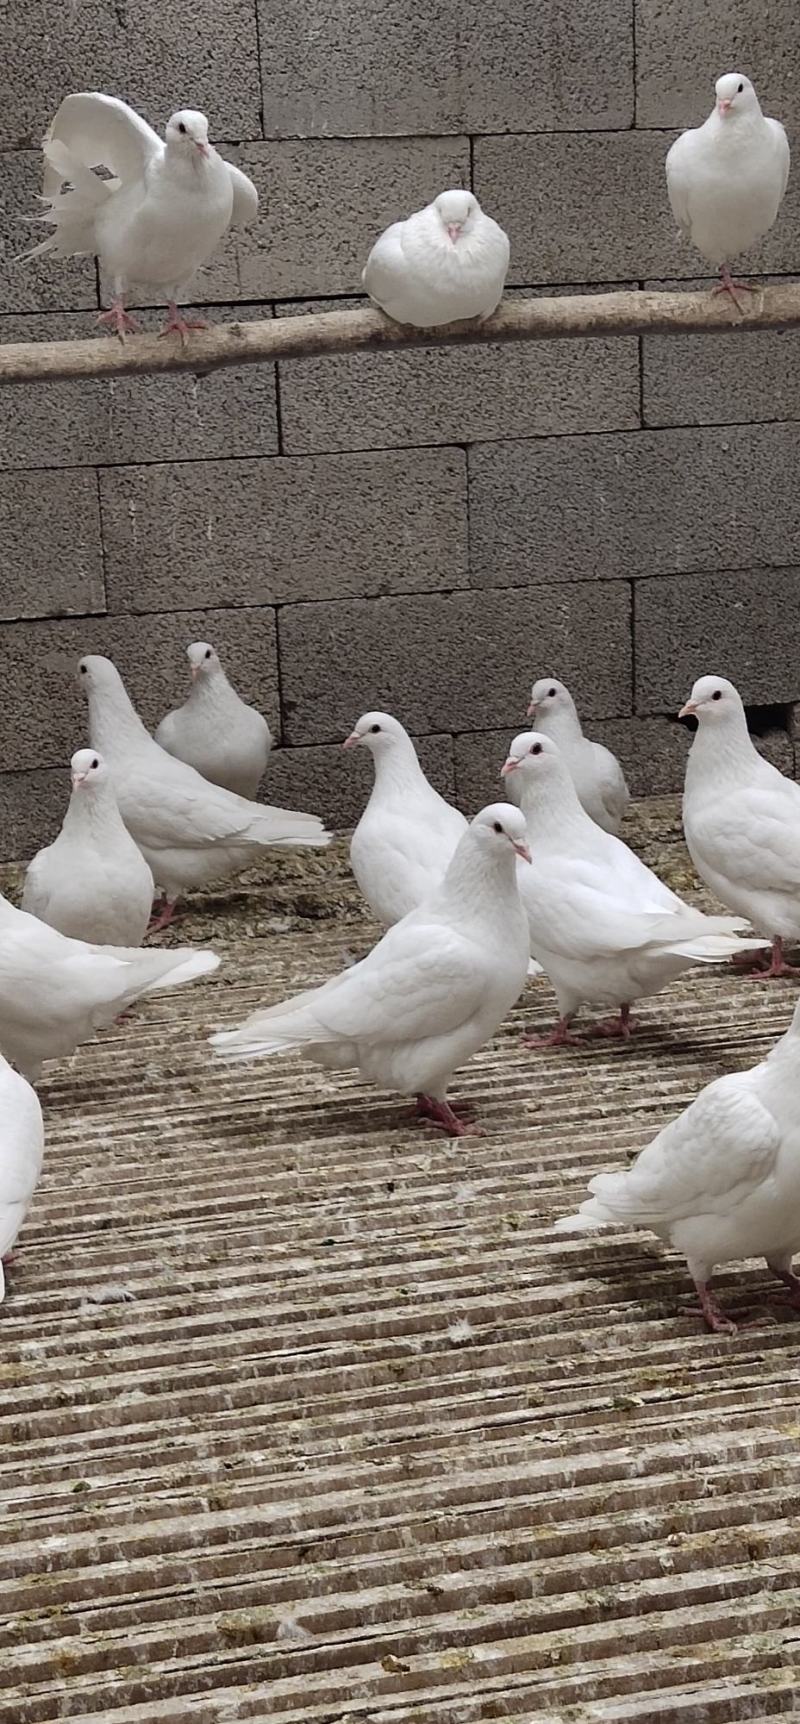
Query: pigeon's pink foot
[118, 319]
[559, 1037]
[8, 1259]
[440, 1114]
[176, 324]
[713, 1313]
[166, 914]
[787, 1276]
[727, 284]
[125, 1017]
[778, 966]
[619, 1028]
[750, 961]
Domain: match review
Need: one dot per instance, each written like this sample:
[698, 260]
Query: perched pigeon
[605, 930]
[446, 263]
[722, 1181]
[21, 1152]
[189, 831]
[432, 991]
[93, 883]
[55, 992]
[407, 833]
[224, 740]
[162, 214]
[741, 819]
[596, 772]
[726, 178]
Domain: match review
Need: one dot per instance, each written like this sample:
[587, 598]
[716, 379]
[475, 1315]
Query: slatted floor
[308, 1414]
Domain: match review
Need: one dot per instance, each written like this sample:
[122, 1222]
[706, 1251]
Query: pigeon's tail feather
[590, 1215]
[286, 826]
[179, 966]
[715, 948]
[71, 213]
[266, 1033]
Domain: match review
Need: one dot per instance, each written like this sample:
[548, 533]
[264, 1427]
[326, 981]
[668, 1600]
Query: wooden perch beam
[364, 330]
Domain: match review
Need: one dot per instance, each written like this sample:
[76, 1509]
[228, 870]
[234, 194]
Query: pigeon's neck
[723, 752]
[735, 138]
[211, 693]
[564, 729]
[113, 720]
[94, 811]
[397, 771]
[480, 886]
[554, 814]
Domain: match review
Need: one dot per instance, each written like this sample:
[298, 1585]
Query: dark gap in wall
[762, 720]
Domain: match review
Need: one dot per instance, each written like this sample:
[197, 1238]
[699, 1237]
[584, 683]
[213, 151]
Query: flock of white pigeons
[538, 883]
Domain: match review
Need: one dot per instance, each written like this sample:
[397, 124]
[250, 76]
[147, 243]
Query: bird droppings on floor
[307, 1413]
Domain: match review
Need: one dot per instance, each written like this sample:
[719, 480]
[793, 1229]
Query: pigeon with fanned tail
[604, 928]
[596, 772]
[407, 834]
[93, 882]
[430, 994]
[214, 731]
[446, 263]
[722, 1181]
[741, 819]
[21, 1153]
[161, 214]
[189, 831]
[726, 179]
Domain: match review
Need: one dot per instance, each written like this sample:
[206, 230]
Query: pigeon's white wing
[171, 807]
[613, 788]
[245, 197]
[782, 151]
[22, 1134]
[37, 890]
[707, 1161]
[101, 131]
[756, 837]
[385, 264]
[678, 168]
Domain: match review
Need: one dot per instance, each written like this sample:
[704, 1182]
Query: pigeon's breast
[161, 239]
[733, 204]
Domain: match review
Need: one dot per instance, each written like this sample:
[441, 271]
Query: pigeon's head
[88, 769]
[712, 700]
[735, 95]
[536, 758]
[187, 132]
[456, 211]
[498, 826]
[549, 696]
[202, 659]
[97, 675]
[377, 731]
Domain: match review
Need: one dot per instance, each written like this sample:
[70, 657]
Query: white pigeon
[407, 834]
[93, 882]
[55, 992]
[604, 928]
[160, 216]
[722, 1181]
[190, 831]
[21, 1152]
[741, 819]
[214, 731]
[726, 179]
[443, 264]
[433, 990]
[596, 772]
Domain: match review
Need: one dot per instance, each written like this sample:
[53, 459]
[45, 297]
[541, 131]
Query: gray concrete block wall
[431, 530]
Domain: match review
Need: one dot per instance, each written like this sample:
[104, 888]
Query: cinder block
[743, 624]
[176, 418]
[457, 661]
[43, 715]
[51, 559]
[681, 50]
[649, 503]
[322, 207]
[720, 379]
[594, 206]
[39, 284]
[450, 395]
[359, 69]
[203, 56]
[32, 806]
[335, 785]
[255, 532]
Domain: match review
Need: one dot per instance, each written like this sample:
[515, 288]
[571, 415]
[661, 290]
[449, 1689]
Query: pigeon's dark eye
[374, 728]
[717, 695]
[94, 764]
[551, 693]
[181, 127]
[83, 669]
[537, 748]
[207, 654]
[740, 89]
[497, 827]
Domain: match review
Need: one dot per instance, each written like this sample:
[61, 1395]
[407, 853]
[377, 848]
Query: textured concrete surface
[422, 529]
[308, 1414]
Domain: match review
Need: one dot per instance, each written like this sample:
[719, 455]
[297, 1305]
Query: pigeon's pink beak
[78, 778]
[725, 105]
[453, 231]
[688, 710]
[523, 851]
[352, 740]
[508, 766]
[531, 713]
[195, 671]
[203, 148]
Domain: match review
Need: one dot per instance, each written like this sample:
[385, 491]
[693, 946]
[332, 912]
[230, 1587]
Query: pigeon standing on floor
[446, 263]
[596, 772]
[722, 1181]
[189, 831]
[604, 928]
[430, 994]
[741, 819]
[407, 834]
[214, 731]
[726, 179]
[55, 992]
[160, 216]
[93, 882]
[21, 1152]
